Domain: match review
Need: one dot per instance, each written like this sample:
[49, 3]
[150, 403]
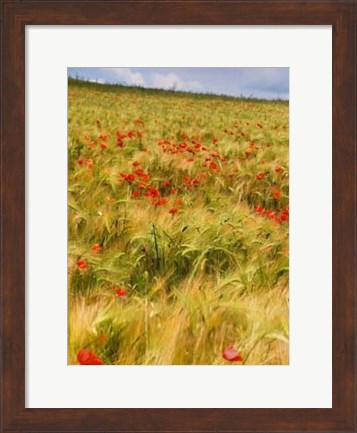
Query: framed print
[178, 216]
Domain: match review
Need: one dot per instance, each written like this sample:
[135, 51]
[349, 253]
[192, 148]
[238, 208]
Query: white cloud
[127, 76]
[173, 82]
[97, 80]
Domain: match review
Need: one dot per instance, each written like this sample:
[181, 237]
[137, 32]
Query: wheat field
[178, 228]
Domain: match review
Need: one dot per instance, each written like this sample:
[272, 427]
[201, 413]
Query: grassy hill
[178, 225]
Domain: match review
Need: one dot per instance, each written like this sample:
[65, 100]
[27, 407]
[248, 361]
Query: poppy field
[178, 228]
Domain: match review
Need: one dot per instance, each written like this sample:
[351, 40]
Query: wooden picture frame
[341, 15]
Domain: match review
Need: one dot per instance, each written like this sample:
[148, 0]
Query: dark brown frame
[15, 16]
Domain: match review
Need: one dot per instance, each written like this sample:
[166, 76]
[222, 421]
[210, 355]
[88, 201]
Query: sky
[266, 83]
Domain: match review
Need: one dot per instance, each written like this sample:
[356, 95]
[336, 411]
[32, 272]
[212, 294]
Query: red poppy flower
[173, 210]
[214, 140]
[120, 291]
[213, 165]
[97, 122]
[97, 248]
[270, 213]
[136, 163]
[186, 180]
[80, 161]
[166, 183]
[173, 191]
[103, 137]
[248, 152]
[89, 163]
[284, 217]
[161, 201]
[260, 175]
[103, 146]
[230, 354]
[130, 178]
[82, 264]
[136, 194]
[153, 192]
[278, 169]
[179, 201]
[276, 195]
[259, 210]
[86, 357]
